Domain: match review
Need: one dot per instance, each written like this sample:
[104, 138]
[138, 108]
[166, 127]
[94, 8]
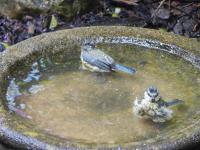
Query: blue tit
[153, 106]
[95, 60]
[154, 96]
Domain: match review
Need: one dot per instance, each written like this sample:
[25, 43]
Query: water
[61, 99]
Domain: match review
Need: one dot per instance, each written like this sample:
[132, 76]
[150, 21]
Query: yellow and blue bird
[153, 106]
[95, 60]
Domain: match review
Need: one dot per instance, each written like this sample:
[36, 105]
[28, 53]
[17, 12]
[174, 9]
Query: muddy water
[71, 103]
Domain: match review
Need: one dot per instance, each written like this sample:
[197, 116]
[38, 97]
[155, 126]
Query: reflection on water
[12, 92]
[34, 73]
[90, 107]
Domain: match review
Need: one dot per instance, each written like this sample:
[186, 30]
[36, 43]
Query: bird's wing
[100, 55]
[174, 102]
[98, 58]
[162, 103]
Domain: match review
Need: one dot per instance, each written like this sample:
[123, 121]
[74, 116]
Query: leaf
[5, 44]
[129, 2]
[116, 13]
[54, 22]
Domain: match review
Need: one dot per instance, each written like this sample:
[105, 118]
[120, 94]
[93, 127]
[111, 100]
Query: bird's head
[152, 94]
[88, 46]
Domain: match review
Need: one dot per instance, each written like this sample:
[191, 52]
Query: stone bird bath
[19, 131]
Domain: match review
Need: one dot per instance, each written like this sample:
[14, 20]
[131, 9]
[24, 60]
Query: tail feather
[174, 102]
[125, 69]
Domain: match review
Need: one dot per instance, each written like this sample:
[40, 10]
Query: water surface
[65, 101]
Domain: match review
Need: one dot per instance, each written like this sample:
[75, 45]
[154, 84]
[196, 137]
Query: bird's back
[97, 58]
[97, 54]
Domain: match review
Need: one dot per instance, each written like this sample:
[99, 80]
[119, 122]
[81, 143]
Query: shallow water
[63, 100]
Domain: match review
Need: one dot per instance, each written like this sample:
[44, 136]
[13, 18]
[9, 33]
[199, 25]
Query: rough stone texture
[67, 8]
[13, 130]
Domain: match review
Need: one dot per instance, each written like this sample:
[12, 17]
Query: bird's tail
[174, 102]
[129, 70]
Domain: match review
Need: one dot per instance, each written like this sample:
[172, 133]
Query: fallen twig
[129, 2]
[155, 12]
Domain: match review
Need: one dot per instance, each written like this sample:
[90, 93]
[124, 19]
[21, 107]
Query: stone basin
[20, 132]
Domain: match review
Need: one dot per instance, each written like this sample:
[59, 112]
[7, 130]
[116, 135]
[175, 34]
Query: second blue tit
[96, 60]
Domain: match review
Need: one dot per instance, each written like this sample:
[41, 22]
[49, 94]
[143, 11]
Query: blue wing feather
[99, 59]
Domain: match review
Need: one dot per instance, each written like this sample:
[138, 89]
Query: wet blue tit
[153, 106]
[153, 95]
[96, 60]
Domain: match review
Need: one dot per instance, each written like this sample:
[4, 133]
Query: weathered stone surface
[13, 130]
[67, 8]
